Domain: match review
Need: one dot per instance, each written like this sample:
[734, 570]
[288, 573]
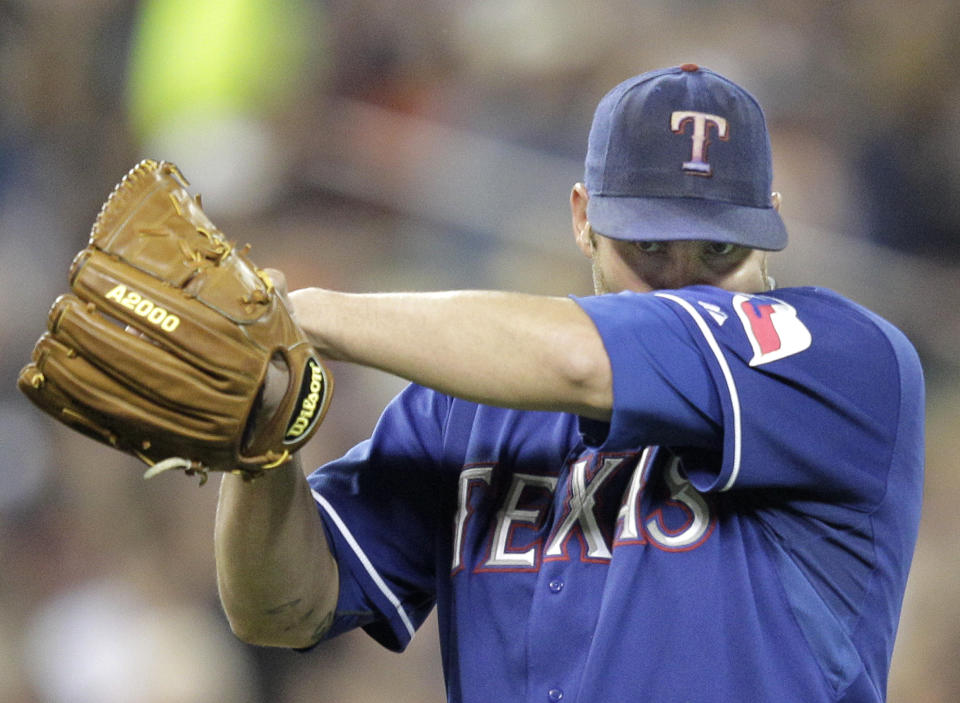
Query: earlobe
[776, 199]
[589, 241]
[585, 240]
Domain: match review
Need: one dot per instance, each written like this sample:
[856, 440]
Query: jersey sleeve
[378, 503]
[798, 389]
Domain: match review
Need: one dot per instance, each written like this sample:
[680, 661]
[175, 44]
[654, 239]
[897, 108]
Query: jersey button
[556, 586]
[555, 694]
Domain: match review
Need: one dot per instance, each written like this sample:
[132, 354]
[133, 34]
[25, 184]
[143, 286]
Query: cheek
[747, 277]
[619, 274]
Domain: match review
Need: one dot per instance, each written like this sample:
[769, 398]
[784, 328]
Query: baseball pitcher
[690, 487]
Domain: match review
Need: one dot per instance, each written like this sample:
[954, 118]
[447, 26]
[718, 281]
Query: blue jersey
[741, 529]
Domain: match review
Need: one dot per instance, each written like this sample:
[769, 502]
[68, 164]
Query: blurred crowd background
[375, 145]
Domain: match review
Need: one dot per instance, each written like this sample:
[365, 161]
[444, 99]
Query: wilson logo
[313, 390]
[144, 307]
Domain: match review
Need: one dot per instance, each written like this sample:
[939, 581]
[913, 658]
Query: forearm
[507, 349]
[277, 580]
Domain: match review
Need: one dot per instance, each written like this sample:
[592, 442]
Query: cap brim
[664, 219]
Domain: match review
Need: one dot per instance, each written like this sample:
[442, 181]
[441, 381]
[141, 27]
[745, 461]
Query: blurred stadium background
[385, 145]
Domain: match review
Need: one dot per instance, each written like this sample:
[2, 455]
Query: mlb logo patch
[772, 326]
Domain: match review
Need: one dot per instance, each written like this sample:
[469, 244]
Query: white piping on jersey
[365, 560]
[727, 376]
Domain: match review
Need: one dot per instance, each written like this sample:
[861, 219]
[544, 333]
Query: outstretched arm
[507, 349]
[278, 581]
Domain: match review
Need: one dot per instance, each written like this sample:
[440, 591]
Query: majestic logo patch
[715, 311]
[772, 326]
[701, 121]
[310, 401]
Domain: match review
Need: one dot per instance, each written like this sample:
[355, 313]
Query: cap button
[690, 67]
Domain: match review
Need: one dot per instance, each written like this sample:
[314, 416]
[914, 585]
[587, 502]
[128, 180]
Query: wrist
[315, 310]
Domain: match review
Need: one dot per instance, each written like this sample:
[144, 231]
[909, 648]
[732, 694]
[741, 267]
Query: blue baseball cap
[682, 153]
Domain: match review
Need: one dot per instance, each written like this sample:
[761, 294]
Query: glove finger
[68, 387]
[141, 365]
[151, 220]
[48, 397]
[165, 314]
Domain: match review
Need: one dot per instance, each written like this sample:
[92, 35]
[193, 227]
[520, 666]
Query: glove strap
[176, 463]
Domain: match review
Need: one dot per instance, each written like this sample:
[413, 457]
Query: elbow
[250, 632]
[276, 633]
[285, 621]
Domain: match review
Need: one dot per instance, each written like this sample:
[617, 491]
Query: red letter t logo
[697, 164]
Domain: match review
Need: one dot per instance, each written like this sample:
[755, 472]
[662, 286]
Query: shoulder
[787, 321]
[799, 363]
[809, 331]
[788, 313]
[801, 336]
[822, 319]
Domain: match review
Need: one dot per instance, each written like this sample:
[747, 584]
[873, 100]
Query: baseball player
[689, 487]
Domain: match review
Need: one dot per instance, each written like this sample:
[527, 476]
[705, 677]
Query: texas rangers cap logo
[702, 123]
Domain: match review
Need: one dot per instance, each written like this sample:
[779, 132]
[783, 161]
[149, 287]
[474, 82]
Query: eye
[721, 248]
[649, 247]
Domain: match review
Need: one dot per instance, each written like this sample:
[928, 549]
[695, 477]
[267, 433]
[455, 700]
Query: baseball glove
[164, 346]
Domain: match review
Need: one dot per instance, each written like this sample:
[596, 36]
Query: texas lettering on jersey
[536, 517]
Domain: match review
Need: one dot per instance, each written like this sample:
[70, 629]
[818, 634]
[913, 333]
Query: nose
[679, 265]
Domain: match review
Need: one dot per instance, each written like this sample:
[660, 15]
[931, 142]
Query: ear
[578, 212]
[776, 199]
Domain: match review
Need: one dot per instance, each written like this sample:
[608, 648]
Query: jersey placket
[570, 578]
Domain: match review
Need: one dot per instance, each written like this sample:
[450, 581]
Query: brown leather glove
[181, 390]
